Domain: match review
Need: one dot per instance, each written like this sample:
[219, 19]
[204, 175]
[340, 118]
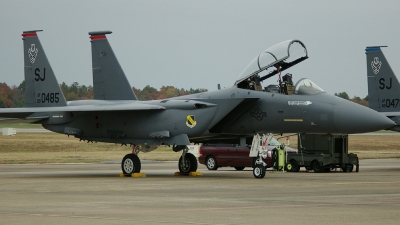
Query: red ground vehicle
[220, 155]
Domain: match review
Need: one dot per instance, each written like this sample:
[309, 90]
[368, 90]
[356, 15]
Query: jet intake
[199, 106]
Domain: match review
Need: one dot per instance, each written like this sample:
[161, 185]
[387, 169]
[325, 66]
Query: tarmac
[95, 194]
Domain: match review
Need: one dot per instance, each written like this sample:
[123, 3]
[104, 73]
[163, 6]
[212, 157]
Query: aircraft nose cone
[353, 118]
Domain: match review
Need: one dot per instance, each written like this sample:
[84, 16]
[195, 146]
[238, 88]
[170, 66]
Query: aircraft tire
[211, 163]
[130, 164]
[190, 164]
[259, 171]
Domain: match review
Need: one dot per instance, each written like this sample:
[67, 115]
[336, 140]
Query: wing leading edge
[35, 114]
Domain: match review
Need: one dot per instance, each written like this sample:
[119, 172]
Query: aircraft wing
[33, 114]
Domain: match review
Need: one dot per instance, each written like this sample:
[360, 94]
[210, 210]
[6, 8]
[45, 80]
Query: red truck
[220, 155]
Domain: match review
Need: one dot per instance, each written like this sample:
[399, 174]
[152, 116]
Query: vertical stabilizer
[41, 86]
[109, 80]
[383, 86]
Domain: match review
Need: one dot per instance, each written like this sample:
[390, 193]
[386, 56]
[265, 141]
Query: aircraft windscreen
[306, 87]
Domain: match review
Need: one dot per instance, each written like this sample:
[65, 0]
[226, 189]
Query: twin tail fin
[41, 86]
[109, 80]
[383, 86]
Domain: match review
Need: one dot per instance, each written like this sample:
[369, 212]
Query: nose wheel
[259, 171]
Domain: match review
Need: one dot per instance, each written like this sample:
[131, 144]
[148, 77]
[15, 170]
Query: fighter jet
[383, 86]
[231, 114]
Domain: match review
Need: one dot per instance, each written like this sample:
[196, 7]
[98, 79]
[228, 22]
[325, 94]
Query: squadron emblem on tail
[376, 65]
[32, 52]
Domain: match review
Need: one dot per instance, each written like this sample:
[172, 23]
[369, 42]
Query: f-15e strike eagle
[232, 114]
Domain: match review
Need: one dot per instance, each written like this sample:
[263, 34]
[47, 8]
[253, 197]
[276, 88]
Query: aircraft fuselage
[267, 112]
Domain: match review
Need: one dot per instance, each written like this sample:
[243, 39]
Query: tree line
[355, 99]
[14, 96]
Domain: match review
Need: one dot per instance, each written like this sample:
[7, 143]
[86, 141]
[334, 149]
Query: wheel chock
[195, 174]
[136, 175]
[133, 175]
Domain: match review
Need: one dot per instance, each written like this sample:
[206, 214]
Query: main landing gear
[187, 162]
[130, 164]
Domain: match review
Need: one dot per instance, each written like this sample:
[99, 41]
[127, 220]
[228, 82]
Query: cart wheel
[259, 171]
[288, 167]
[348, 168]
[295, 166]
[317, 167]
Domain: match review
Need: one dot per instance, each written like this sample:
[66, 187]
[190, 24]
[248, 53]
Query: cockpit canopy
[278, 58]
[273, 61]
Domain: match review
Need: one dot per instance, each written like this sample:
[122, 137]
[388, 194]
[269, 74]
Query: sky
[199, 44]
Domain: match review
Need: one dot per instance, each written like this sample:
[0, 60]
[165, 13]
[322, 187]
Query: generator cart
[322, 153]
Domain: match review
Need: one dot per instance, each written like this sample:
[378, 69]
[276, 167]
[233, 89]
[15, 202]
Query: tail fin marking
[41, 86]
[383, 86]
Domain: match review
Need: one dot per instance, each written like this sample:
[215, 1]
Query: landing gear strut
[259, 150]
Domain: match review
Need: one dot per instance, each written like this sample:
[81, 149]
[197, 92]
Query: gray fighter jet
[383, 86]
[233, 114]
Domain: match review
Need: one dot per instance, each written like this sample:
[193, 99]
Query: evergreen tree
[343, 95]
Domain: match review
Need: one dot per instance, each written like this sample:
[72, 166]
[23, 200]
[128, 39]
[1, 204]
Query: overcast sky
[199, 44]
